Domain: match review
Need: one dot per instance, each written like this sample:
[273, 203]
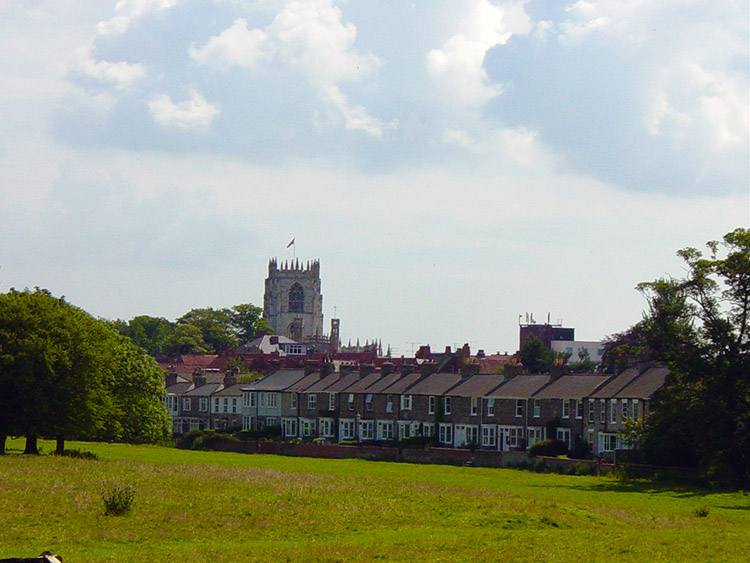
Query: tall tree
[699, 325]
[247, 321]
[535, 356]
[215, 325]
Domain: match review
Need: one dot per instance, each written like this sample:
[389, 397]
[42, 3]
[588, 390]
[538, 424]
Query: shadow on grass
[643, 486]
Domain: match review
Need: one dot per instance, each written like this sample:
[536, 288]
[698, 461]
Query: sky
[453, 165]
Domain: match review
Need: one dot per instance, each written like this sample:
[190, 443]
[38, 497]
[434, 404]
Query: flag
[291, 242]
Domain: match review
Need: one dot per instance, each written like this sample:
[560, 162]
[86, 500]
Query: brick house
[470, 408]
[510, 404]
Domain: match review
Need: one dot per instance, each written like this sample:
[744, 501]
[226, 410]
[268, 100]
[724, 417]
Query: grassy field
[205, 506]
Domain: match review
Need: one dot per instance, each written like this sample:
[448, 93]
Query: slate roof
[363, 383]
[205, 390]
[435, 384]
[478, 385]
[645, 384]
[616, 383]
[384, 381]
[324, 383]
[304, 383]
[572, 387]
[179, 388]
[279, 380]
[231, 391]
[520, 387]
[344, 382]
[401, 384]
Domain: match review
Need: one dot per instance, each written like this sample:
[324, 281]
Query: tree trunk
[60, 445]
[31, 445]
[3, 438]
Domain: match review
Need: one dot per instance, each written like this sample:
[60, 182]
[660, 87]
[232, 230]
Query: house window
[296, 299]
[446, 434]
[537, 408]
[636, 409]
[217, 404]
[535, 434]
[289, 427]
[250, 400]
[579, 408]
[271, 421]
[490, 407]
[403, 430]
[613, 411]
[366, 430]
[351, 401]
[519, 408]
[293, 401]
[512, 435]
[186, 406]
[368, 402]
[234, 406]
[591, 411]
[431, 405]
[347, 429]
[385, 430]
[312, 401]
[602, 411]
[389, 403]
[566, 408]
[446, 405]
[489, 436]
[326, 427]
[203, 404]
[273, 400]
[428, 430]
[563, 434]
[624, 409]
[474, 406]
[226, 404]
[331, 401]
[405, 402]
[307, 426]
[608, 442]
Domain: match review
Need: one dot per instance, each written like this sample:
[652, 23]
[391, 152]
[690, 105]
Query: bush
[551, 448]
[203, 439]
[265, 432]
[118, 499]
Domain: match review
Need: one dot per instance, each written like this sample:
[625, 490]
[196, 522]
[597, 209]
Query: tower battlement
[311, 267]
[293, 303]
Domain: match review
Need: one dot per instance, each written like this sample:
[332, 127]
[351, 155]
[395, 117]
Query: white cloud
[119, 75]
[459, 63]
[356, 118]
[194, 113]
[129, 11]
[237, 45]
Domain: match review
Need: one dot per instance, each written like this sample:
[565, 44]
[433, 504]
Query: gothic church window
[296, 299]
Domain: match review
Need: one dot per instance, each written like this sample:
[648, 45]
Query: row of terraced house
[364, 404]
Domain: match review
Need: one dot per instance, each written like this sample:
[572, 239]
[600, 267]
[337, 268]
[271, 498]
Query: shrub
[551, 448]
[203, 439]
[701, 512]
[118, 499]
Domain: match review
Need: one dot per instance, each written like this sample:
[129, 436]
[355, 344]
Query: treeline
[199, 331]
[66, 375]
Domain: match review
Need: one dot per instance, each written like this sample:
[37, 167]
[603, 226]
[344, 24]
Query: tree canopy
[64, 374]
[698, 325]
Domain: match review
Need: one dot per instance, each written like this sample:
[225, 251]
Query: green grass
[206, 506]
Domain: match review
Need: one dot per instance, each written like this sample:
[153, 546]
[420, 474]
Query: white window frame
[636, 411]
[519, 408]
[312, 401]
[405, 402]
[565, 408]
[491, 406]
[368, 402]
[445, 435]
[591, 411]
[563, 434]
[447, 405]
[203, 404]
[613, 411]
[537, 408]
[624, 409]
[389, 403]
[489, 436]
[603, 411]
[431, 402]
[474, 406]
[579, 409]
[428, 429]
[186, 404]
[331, 401]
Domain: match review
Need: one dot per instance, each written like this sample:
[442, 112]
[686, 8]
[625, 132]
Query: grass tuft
[118, 499]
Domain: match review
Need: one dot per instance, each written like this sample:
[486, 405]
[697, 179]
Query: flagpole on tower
[293, 244]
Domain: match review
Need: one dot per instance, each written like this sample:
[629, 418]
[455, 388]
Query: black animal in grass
[45, 557]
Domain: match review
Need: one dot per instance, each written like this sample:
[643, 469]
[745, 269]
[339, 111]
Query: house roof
[304, 383]
[179, 388]
[324, 383]
[435, 384]
[384, 381]
[279, 380]
[205, 390]
[401, 384]
[616, 383]
[520, 386]
[645, 384]
[344, 382]
[572, 387]
[267, 344]
[492, 364]
[478, 385]
[363, 383]
[233, 390]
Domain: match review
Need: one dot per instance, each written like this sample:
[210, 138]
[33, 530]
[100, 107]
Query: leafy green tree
[150, 333]
[216, 327]
[535, 356]
[64, 374]
[584, 362]
[247, 321]
[186, 339]
[699, 326]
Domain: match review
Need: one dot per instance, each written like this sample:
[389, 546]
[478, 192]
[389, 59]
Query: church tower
[292, 303]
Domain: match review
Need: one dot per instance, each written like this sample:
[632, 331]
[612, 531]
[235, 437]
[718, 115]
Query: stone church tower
[292, 303]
